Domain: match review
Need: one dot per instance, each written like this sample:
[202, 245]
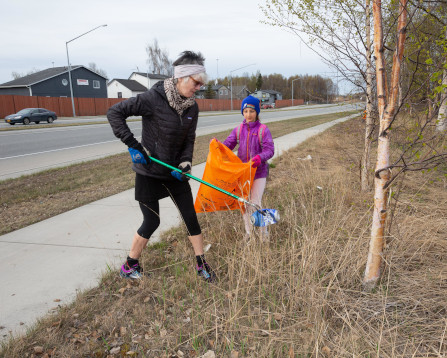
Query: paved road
[28, 151]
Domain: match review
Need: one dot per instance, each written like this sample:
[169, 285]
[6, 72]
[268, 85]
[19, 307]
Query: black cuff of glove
[131, 142]
[185, 167]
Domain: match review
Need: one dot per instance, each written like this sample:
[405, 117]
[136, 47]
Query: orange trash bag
[225, 170]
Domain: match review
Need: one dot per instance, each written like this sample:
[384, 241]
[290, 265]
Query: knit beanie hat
[250, 102]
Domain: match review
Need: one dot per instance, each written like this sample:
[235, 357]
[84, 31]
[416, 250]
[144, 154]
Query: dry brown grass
[32, 198]
[299, 295]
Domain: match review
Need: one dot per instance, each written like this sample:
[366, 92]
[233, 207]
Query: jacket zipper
[248, 140]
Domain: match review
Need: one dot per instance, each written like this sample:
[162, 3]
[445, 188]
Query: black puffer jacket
[166, 135]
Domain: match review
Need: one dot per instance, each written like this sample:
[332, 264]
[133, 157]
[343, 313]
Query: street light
[231, 81]
[69, 66]
[296, 79]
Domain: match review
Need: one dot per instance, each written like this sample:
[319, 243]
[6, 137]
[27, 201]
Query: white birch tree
[442, 120]
[387, 103]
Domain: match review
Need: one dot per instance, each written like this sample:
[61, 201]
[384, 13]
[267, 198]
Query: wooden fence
[288, 102]
[10, 104]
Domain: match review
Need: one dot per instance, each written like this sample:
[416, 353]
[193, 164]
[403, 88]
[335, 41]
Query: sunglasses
[196, 83]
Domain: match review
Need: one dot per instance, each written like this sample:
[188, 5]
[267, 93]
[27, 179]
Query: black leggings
[151, 215]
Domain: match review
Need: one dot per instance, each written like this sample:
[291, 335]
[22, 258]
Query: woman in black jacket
[170, 115]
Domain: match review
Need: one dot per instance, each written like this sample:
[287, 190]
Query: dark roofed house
[267, 96]
[147, 79]
[121, 88]
[54, 82]
[240, 92]
[224, 92]
[220, 92]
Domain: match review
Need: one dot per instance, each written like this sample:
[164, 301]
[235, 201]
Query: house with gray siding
[267, 96]
[54, 82]
[224, 92]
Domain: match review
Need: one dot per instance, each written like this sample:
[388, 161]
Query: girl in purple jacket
[255, 145]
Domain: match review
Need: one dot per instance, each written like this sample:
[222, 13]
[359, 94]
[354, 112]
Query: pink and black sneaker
[135, 272]
[206, 273]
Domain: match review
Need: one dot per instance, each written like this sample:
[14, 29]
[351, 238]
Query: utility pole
[69, 65]
[231, 81]
[296, 79]
[217, 66]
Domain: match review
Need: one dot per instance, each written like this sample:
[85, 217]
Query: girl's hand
[256, 161]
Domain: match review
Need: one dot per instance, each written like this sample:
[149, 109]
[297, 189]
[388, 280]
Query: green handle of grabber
[201, 181]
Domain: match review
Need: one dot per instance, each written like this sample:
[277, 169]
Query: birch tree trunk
[442, 120]
[387, 108]
[369, 123]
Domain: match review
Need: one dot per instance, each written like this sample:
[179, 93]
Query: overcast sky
[34, 33]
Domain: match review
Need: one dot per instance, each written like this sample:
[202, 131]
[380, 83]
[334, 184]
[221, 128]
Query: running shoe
[135, 272]
[206, 273]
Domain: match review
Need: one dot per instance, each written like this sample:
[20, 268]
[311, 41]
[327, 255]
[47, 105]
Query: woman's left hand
[256, 161]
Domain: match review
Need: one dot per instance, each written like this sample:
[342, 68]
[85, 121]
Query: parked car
[266, 105]
[28, 115]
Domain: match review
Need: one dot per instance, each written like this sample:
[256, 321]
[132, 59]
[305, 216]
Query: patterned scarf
[176, 101]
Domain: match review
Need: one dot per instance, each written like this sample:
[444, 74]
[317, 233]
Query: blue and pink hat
[250, 102]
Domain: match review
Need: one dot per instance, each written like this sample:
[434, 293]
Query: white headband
[188, 70]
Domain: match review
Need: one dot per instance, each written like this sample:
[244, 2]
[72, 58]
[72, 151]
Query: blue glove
[139, 154]
[185, 167]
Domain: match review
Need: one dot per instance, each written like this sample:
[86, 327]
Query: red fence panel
[65, 107]
[288, 102]
[98, 106]
[51, 103]
[86, 107]
[21, 102]
[218, 104]
[112, 101]
[101, 106]
[6, 105]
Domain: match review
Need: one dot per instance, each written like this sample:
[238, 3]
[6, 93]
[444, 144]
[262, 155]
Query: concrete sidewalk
[46, 264]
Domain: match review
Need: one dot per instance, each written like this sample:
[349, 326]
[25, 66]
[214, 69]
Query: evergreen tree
[209, 93]
[259, 81]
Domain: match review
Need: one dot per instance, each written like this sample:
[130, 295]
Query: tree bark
[442, 120]
[369, 121]
[387, 108]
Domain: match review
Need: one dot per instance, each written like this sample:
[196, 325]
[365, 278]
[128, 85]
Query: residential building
[267, 96]
[224, 92]
[147, 79]
[121, 88]
[220, 92]
[240, 92]
[54, 82]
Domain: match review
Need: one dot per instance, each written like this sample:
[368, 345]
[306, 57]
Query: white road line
[57, 129]
[58, 150]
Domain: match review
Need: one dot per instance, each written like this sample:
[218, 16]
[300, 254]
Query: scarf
[177, 101]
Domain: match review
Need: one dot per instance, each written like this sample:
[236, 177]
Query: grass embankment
[299, 295]
[32, 198]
